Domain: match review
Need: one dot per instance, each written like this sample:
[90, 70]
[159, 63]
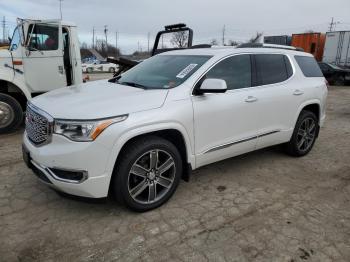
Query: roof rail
[260, 45]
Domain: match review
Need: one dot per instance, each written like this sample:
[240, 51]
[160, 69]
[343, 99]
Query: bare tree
[214, 42]
[256, 38]
[232, 43]
[179, 39]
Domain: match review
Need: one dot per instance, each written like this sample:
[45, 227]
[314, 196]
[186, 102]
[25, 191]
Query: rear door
[278, 98]
[43, 60]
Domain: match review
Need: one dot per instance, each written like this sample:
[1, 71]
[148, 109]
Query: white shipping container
[337, 48]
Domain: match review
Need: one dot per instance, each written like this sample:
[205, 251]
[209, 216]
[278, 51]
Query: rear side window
[309, 66]
[272, 68]
[235, 70]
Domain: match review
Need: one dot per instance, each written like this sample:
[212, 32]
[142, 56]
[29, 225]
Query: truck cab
[43, 55]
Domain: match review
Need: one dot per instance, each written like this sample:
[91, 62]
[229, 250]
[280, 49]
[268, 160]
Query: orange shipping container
[312, 43]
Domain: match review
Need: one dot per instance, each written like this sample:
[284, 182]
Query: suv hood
[98, 99]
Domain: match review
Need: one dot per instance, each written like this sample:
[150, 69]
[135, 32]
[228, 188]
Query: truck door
[43, 60]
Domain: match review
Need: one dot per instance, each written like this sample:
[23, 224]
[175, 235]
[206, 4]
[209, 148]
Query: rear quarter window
[309, 66]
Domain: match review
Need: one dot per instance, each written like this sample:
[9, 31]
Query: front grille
[38, 126]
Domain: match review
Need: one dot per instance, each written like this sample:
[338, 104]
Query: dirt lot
[263, 206]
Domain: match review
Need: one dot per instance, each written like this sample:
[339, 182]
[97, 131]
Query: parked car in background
[99, 66]
[334, 74]
[137, 134]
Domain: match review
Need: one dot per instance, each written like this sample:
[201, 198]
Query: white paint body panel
[214, 126]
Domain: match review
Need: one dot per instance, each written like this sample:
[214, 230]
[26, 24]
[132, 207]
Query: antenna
[60, 8]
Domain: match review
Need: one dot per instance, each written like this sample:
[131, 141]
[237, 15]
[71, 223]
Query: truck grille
[39, 126]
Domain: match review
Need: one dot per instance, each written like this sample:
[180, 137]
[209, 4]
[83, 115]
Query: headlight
[83, 131]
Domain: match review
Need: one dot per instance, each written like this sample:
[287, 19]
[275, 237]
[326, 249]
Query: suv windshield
[163, 71]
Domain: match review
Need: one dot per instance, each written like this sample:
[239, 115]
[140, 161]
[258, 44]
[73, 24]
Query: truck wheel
[147, 174]
[111, 70]
[304, 134]
[11, 114]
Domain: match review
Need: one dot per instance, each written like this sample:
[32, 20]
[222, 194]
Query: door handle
[251, 99]
[298, 92]
[60, 70]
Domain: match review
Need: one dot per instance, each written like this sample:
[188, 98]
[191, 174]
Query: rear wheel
[147, 174]
[89, 70]
[111, 70]
[304, 134]
[11, 114]
[339, 81]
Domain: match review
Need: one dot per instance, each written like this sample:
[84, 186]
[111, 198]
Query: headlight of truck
[84, 131]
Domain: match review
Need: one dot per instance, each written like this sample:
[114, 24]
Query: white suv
[138, 134]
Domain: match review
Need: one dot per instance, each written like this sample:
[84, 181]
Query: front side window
[235, 70]
[42, 37]
[272, 68]
[16, 39]
[163, 71]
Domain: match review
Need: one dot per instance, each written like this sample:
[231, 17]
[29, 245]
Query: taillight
[327, 84]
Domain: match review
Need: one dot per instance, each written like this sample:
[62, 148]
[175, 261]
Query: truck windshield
[162, 71]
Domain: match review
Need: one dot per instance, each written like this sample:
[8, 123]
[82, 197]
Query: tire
[135, 191]
[11, 114]
[111, 70]
[339, 81]
[89, 70]
[304, 135]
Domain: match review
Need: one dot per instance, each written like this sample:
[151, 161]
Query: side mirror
[212, 85]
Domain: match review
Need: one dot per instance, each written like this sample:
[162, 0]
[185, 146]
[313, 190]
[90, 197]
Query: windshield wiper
[133, 84]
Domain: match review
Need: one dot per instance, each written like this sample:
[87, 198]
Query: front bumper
[89, 158]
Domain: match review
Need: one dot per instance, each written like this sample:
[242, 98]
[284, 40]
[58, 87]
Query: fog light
[70, 176]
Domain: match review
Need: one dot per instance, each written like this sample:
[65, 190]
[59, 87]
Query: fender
[129, 134]
[304, 104]
[19, 85]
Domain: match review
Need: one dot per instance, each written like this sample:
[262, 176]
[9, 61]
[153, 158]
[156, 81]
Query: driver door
[43, 60]
[225, 124]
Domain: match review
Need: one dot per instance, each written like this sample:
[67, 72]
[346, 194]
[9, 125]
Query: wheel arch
[15, 91]
[313, 106]
[174, 133]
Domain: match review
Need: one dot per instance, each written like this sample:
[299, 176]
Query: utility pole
[116, 44]
[148, 37]
[332, 25]
[93, 37]
[3, 28]
[60, 8]
[106, 30]
[223, 36]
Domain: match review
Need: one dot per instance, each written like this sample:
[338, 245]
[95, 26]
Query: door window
[272, 68]
[235, 70]
[43, 37]
[16, 39]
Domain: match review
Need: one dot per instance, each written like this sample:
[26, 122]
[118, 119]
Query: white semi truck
[43, 55]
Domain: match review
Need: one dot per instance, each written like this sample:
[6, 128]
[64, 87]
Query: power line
[332, 25]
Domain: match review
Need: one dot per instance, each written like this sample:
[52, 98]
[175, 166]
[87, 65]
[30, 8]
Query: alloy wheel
[306, 134]
[151, 176]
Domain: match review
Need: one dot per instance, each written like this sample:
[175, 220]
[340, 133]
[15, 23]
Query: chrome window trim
[245, 88]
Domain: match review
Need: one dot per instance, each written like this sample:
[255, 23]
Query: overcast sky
[133, 19]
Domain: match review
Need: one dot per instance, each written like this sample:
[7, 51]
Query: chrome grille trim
[39, 125]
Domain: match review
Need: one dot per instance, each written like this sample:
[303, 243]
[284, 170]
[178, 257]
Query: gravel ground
[262, 206]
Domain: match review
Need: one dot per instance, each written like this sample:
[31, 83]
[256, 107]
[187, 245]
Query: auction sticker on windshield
[186, 70]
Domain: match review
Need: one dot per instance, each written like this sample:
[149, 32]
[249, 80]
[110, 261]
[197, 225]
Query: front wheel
[147, 174]
[304, 134]
[11, 114]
